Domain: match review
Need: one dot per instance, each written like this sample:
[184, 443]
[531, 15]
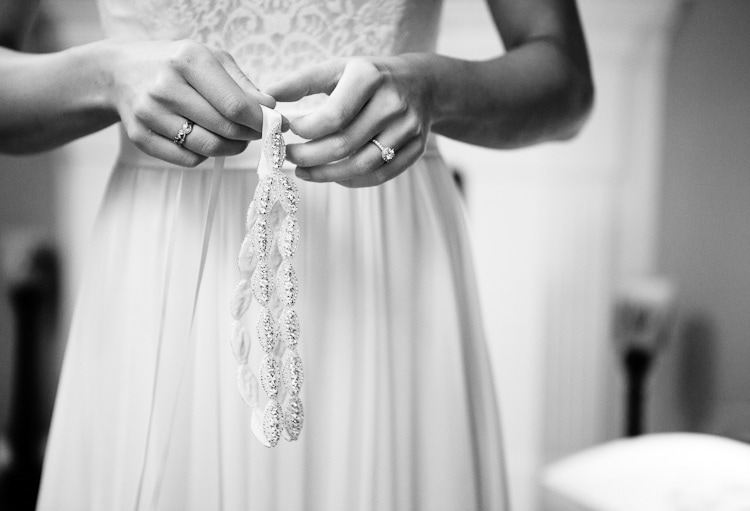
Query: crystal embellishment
[269, 375]
[269, 279]
[288, 194]
[261, 238]
[293, 373]
[265, 195]
[289, 237]
[266, 330]
[287, 284]
[262, 284]
[274, 148]
[289, 328]
[294, 417]
[272, 422]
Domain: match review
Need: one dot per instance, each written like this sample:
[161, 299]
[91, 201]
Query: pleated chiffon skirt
[400, 409]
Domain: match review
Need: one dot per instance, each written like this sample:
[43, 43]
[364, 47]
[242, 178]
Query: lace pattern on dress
[270, 38]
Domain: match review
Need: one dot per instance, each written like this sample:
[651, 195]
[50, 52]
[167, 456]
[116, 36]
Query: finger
[359, 81]
[199, 141]
[376, 115]
[405, 158]
[187, 102]
[320, 78]
[233, 70]
[166, 150]
[158, 146]
[284, 124]
[203, 71]
[206, 143]
[366, 160]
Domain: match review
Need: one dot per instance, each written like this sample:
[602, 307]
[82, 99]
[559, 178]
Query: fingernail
[303, 174]
[284, 124]
[267, 99]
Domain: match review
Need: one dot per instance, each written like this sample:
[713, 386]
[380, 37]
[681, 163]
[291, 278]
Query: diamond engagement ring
[182, 134]
[387, 153]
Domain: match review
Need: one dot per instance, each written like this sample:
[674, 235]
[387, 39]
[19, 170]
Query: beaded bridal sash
[268, 278]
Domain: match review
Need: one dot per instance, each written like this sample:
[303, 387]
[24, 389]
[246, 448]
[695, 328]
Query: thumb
[320, 78]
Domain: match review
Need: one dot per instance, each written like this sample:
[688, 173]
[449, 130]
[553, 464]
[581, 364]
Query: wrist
[94, 64]
[440, 79]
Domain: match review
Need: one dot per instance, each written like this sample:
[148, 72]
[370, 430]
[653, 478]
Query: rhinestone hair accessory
[268, 278]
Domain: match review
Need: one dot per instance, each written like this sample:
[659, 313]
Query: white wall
[703, 379]
[568, 222]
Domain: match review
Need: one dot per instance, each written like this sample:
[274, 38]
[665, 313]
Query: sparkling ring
[182, 134]
[387, 153]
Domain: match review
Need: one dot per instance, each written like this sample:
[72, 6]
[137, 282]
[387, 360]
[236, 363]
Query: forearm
[533, 93]
[47, 100]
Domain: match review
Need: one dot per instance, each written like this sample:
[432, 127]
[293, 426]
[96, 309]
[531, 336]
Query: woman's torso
[270, 38]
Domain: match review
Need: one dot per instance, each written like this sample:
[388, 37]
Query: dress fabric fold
[400, 408]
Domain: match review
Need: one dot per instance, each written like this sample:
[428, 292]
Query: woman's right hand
[156, 86]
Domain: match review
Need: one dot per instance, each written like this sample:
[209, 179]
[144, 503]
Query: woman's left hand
[385, 99]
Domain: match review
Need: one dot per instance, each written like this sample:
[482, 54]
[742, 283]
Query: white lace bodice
[269, 38]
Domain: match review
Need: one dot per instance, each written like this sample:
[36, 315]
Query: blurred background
[614, 270]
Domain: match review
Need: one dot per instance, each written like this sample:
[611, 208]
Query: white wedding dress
[400, 410]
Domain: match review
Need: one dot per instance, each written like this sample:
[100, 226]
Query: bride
[398, 405]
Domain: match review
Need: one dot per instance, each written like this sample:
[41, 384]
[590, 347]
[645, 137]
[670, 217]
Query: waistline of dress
[131, 156]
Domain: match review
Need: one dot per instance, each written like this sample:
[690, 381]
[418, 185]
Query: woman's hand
[380, 98]
[157, 86]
